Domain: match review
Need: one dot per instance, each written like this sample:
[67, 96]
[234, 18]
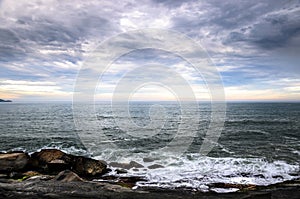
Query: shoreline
[51, 173]
[41, 188]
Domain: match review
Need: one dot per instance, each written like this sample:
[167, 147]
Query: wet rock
[148, 160]
[14, 161]
[131, 164]
[127, 182]
[54, 161]
[67, 176]
[88, 167]
[134, 164]
[155, 166]
[15, 175]
[238, 186]
[31, 173]
[51, 160]
[121, 171]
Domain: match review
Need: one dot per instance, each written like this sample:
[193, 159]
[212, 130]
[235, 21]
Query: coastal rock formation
[36, 188]
[2, 100]
[13, 161]
[20, 180]
[51, 161]
[88, 167]
[67, 176]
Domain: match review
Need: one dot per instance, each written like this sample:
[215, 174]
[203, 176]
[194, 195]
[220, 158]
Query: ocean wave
[198, 172]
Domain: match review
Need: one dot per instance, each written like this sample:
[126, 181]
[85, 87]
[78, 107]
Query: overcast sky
[255, 45]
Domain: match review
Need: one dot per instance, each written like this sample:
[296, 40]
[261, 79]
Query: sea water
[259, 143]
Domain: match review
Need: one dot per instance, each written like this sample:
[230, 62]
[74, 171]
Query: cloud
[251, 42]
[272, 30]
[41, 89]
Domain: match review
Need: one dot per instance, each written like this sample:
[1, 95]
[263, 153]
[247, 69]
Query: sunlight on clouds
[145, 19]
[153, 92]
[67, 65]
[293, 89]
[105, 91]
[251, 93]
[15, 89]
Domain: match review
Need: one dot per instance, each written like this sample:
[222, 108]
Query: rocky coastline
[51, 173]
[2, 100]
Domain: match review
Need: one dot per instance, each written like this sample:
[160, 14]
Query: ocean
[259, 143]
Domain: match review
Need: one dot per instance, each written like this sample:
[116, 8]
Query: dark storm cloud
[10, 47]
[61, 28]
[265, 24]
[271, 31]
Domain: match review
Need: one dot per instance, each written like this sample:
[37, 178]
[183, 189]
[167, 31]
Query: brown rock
[51, 160]
[67, 176]
[51, 155]
[148, 160]
[54, 161]
[31, 173]
[155, 166]
[88, 167]
[134, 164]
[131, 164]
[13, 161]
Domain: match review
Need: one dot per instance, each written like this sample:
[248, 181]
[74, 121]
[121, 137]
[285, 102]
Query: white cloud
[44, 43]
[14, 89]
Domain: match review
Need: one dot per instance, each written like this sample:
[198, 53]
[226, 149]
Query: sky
[255, 46]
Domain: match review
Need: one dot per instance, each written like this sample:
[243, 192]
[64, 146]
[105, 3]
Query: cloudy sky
[255, 46]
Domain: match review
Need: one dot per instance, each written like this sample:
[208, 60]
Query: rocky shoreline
[51, 173]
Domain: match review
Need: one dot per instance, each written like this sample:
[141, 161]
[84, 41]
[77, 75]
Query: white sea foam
[224, 190]
[199, 173]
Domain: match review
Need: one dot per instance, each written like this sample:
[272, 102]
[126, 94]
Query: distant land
[2, 100]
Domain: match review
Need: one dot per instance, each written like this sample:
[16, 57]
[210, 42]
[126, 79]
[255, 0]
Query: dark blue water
[260, 142]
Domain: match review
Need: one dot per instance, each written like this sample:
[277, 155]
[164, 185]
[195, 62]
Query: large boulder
[14, 161]
[88, 167]
[51, 160]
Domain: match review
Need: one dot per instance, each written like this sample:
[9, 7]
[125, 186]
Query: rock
[15, 175]
[128, 182]
[148, 160]
[51, 160]
[31, 173]
[155, 166]
[13, 161]
[229, 185]
[67, 176]
[134, 164]
[131, 164]
[88, 167]
[121, 171]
